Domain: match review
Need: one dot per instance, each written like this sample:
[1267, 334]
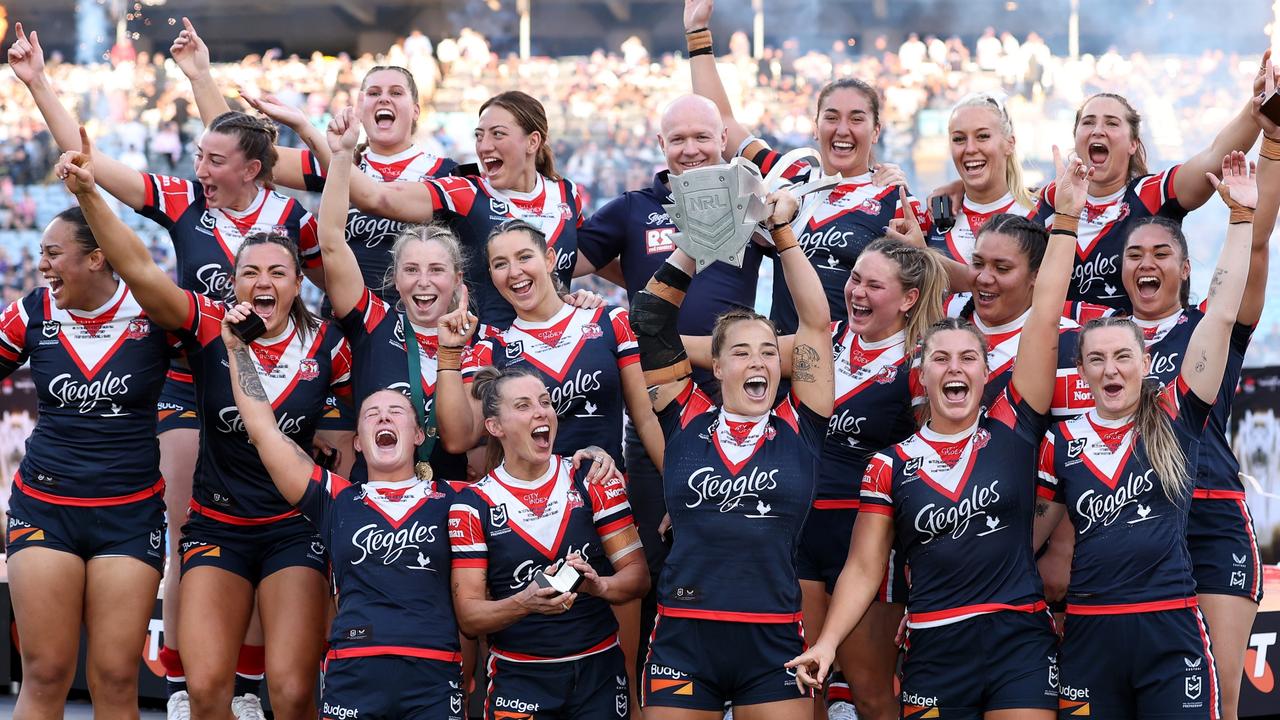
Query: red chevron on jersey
[545, 207]
[961, 239]
[91, 341]
[542, 531]
[1153, 331]
[947, 474]
[860, 365]
[288, 361]
[1093, 441]
[558, 340]
[408, 165]
[855, 194]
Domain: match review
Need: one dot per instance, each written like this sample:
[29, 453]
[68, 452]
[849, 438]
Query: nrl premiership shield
[716, 209]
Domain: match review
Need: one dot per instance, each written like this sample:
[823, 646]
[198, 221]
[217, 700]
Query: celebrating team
[928, 430]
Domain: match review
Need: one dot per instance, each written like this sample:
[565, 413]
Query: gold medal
[423, 471]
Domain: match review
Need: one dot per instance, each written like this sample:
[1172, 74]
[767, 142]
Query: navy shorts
[824, 546]
[133, 529]
[589, 688]
[252, 551]
[704, 664]
[338, 415]
[176, 408]
[1138, 665]
[392, 687]
[1224, 549]
[998, 661]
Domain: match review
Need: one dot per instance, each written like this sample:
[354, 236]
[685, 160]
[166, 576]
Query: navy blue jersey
[958, 242]
[1071, 395]
[297, 371]
[635, 229]
[1105, 223]
[379, 360]
[474, 208]
[390, 559]
[832, 227]
[873, 410]
[205, 239]
[1167, 342]
[371, 237]
[962, 508]
[738, 491]
[98, 377]
[514, 529]
[1131, 539]
[580, 354]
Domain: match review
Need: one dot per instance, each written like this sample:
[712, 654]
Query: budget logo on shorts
[498, 516]
[1075, 447]
[50, 328]
[1192, 686]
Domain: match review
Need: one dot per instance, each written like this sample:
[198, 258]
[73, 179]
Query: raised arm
[1264, 221]
[1207, 352]
[341, 270]
[702, 66]
[1035, 369]
[636, 397]
[155, 291]
[653, 318]
[458, 413]
[289, 466]
[812, 368]
[26, 57]
[1240, 133]
[288, 170]
[192, 56]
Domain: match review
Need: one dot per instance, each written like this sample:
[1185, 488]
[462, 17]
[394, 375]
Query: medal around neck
[423, 471]
[716, 209]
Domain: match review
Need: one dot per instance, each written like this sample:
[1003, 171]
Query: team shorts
[133, 529]
[1224, 549]
[1146, 665]
[824, 546]
[253, 552]
[588, 688]
[176, 408]
[998, 661]
[704, 664]
[392, 687]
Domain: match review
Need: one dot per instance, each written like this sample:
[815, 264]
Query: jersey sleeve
[479, 355]
[917, 207]
[467, 540]
[167, 198]
[313, 172]
[203, 323]
[1013, 411]
[13, 336]
[809, 425]
[1044, 205]
[610, 508]
[1047, 486]
[603, 236]
[340, 365]
[681, 411]
[1241, 334]
[626, 347]
[758, 153]
[1158, 194]
[308, 238]
[368, 313]
[877, 486]
[317, 500]
[575, 198]
[1186, 410]
[453, 195]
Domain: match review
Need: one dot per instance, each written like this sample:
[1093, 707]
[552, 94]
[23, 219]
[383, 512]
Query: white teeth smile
[987, 297]
[522, 286]
[384, 438]
[1148, 280]
[424, 299]
[955, 390]
[975, 165]
[859, 310]
[384, 114]
[842, 146]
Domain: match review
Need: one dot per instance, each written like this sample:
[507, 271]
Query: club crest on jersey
[591, 331]
[308, 369]
[138, 329]
[887, 374]
[498, 516]
[575, 500]
[1075, 447]
[565, 211]
[50, 328]
[981, 438]
[870, 206]
[499, 207]
[514, 349]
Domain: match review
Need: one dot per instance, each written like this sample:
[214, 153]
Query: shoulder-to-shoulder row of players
[964, 379]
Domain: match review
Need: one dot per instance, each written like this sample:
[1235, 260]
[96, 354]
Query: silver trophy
[716, 209]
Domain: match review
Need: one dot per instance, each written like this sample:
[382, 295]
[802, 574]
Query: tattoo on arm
[653, 394]
[1202, 362]
[1042, 508]
[1218, 275]
[247, 375]
[804, 361]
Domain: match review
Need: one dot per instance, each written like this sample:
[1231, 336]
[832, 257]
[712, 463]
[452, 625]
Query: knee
[210, 694]
[44, 673]
[293, 695]
[875, 703]
[113, 680]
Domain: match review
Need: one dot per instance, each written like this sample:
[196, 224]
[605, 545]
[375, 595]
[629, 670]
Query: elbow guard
[653, 318]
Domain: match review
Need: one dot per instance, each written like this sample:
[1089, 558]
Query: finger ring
[564, 605]
[596, 459]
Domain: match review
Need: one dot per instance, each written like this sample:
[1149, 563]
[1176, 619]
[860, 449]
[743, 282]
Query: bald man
[635, 230]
